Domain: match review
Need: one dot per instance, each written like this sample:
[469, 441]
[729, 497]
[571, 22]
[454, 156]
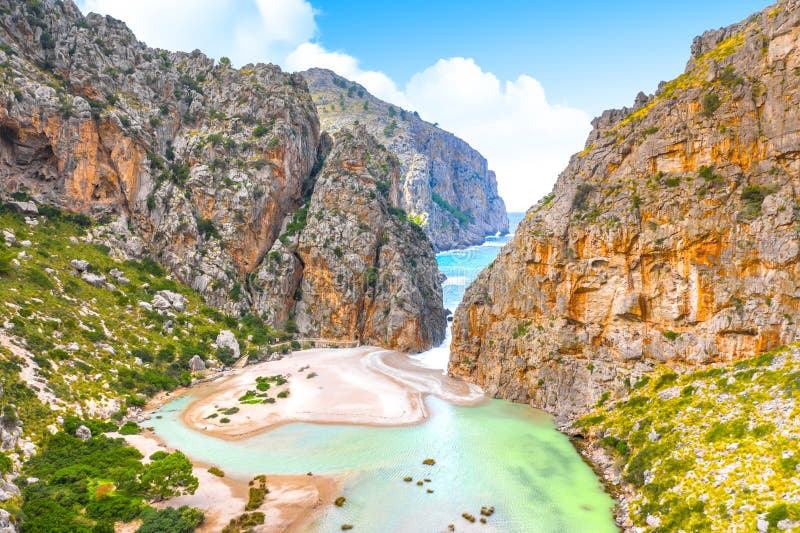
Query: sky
[519, 80]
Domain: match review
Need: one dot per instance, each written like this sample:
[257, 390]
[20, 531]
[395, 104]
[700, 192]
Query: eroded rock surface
[672, 237]
[198, 164]
[444, 183]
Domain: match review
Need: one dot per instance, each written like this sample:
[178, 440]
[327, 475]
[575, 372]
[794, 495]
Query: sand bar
[362, 386]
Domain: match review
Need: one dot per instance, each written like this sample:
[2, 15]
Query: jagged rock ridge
[672, 237]
[199, 164]
[358, 269]
[445, 184]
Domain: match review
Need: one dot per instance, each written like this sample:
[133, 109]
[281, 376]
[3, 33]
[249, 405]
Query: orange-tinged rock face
[672, 238]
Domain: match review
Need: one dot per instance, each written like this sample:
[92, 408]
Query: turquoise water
[496, 454]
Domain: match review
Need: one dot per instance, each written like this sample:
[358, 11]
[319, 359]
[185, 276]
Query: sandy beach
[363, 386]
[292, 502]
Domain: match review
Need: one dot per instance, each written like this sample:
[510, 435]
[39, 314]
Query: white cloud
[309, 55]
[251, 31]
[173, 24]
[282, 26]
[526, 139]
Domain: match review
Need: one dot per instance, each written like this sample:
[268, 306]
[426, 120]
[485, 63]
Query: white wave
[456, 280]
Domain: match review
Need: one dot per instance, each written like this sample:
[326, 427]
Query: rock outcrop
[445, 184]
[354, 266]
[672, 237]
[193, 162]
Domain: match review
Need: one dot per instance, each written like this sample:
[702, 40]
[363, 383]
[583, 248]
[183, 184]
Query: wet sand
[362, 386]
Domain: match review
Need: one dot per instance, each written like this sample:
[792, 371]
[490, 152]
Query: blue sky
[590, 54]
[519, 80]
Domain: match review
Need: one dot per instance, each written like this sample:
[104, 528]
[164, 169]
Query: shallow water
[496, 454]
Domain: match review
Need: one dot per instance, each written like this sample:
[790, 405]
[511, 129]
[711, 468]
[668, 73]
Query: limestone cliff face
[358, 268]
[672, 237]
[201, 164]
[445, 183]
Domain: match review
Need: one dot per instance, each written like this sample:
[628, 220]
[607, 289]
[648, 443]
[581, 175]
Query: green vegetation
[711, 102]
[753, 197]
[72, 343]
[389, 129]
[297, 225]
[581, 198]
[257, 493]
[181, 520]
[463, 218]
[244, 523]
[216, 471]
[86, 486]
[130, 428]
[710, 449]
[671, 335]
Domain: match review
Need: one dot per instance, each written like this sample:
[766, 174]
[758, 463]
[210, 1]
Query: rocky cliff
[196, 163]
[446, 185]
[358, 268]
[672, 237]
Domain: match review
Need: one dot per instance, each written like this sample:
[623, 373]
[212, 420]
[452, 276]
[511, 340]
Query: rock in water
[670, 237]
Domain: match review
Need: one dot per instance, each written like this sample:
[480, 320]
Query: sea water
[497, 454]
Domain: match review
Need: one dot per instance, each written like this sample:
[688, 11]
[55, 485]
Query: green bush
[130, 428]
[753, 198]
[711, 103]
[181, 520]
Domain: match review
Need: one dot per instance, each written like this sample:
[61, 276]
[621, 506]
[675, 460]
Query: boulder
[171, 300]
[7, 491]
[83, 433]
[196, 364]
[119, 276]
[79, 264]
[226, 339]
[95, 280]
[28, 208]
[6, 526]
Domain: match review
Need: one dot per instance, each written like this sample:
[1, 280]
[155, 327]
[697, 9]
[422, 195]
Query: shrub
[389, 130]
[671, 335]
[244, 522]
[711, 103]
[753, 198]
[462, 217]
[5, 464]
[207, 228]
[216, 471]
[181, 520]
[580, 200]
[130, 428]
